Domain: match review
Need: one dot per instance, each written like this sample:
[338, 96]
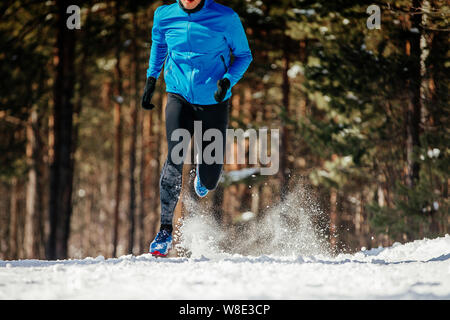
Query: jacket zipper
[190, 56]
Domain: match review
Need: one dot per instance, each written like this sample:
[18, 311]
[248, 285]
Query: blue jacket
[196, 49]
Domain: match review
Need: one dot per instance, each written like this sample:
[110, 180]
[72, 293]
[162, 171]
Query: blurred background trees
[363, 116]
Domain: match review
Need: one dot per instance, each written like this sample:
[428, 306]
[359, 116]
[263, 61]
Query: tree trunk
[333, 219]
[33, 219]
[133, 105]
[14, 222]
[118, 100]
[413, 112]
[61, 171]
[117, 159]
[284, 133]
[142, 187]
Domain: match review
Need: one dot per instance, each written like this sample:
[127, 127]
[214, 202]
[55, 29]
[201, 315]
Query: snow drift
[416, 270]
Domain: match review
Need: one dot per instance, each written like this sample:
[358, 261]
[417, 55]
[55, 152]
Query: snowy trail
[416, 270]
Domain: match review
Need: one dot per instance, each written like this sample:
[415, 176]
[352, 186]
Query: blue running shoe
[200, 189]
[162, 244]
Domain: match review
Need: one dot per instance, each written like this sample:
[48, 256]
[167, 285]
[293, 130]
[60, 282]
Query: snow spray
[290, 228]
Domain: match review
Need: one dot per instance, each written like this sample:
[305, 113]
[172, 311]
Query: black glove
[148, 93]
[222, 88]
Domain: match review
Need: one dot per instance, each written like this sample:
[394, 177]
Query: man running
[194, 40]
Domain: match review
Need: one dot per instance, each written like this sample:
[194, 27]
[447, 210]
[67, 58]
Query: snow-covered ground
[416, 270]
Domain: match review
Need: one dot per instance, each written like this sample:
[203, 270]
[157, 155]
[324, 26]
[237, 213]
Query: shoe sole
[158, 254]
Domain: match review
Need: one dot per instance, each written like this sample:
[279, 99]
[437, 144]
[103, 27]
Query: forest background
[363, 115]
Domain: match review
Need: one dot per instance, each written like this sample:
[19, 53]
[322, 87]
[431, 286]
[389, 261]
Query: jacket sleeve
[158, 52]
[237, 41]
